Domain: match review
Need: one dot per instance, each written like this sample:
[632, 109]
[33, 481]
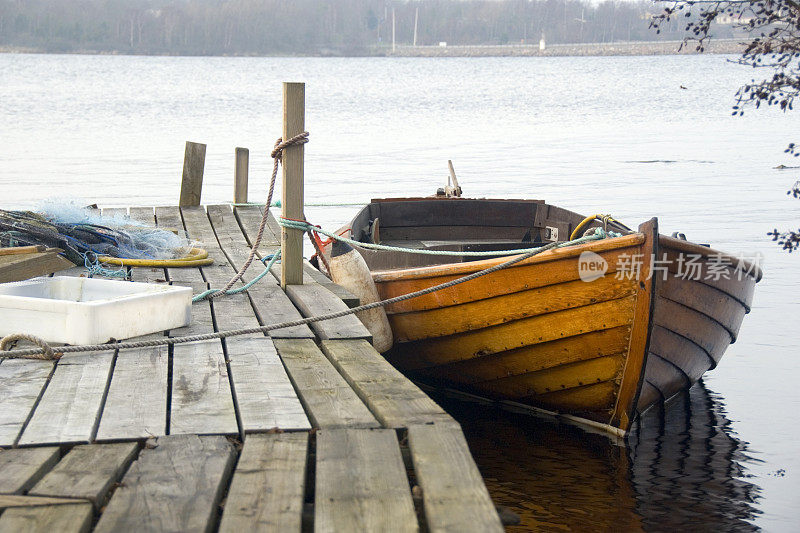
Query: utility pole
[416, 20]
[393, 30]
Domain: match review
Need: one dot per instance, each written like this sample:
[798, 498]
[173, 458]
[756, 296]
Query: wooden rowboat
[598, 336]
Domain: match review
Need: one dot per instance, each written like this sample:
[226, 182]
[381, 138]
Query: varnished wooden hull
[538, 334]
[696, 316]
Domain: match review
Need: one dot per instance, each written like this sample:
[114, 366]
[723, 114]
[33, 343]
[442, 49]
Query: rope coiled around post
[28, 353]
[277, 157]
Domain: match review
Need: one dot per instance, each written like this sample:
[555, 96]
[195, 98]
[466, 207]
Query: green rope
[305, 226]
[272, 259]
[95, 268]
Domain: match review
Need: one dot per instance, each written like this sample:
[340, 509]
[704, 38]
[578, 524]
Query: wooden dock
[305, 429]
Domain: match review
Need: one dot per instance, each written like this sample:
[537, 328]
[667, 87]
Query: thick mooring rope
[42, 352]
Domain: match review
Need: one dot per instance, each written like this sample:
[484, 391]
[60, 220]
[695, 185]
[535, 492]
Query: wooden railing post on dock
[294, 117]
[192, 181]
[240, 176]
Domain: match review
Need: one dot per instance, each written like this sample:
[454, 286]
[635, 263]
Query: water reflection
[682, 468]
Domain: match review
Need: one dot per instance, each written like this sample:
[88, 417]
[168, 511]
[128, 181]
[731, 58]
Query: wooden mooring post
[240, 176]
[194, 161]
[294, 117]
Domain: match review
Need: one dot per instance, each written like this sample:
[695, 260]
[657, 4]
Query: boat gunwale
[462, 269]
[749, 268]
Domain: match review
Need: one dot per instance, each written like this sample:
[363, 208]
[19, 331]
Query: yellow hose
[197, 257]
[588, 220]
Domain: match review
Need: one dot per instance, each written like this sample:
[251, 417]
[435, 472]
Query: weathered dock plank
[67, 518]
[202, 400]
[87, 472]
[394, 400]
[361, 482]
[233, 243]
[136, 405]
[270, 302]
[264, 394]
[8, 501]
[453, 493]
[175, 486]
[198, 227]
[249, 217]
[21, 384]
[272, 307]
[316, 300]
[21, 468]
[70, 406]
[326, 396]
[267, 490]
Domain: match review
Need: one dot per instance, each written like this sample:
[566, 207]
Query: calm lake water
[611, 134]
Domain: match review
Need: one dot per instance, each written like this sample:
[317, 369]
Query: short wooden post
[194, 161]
[294, 119]
[240, 176]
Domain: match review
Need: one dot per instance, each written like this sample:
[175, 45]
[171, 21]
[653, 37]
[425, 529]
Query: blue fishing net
[80, 231]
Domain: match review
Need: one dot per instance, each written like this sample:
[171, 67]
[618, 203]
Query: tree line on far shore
[316, 27]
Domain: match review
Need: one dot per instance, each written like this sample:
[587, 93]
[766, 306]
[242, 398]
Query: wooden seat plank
[87, 472]
[136, 405]
[327, 398]
[453, 493]
[394, 400]
[21, 468]
[361, 482]
[67, 518]
[175, 486]
[316, 300]
[70, 406]
[268, 486]
[21, 384]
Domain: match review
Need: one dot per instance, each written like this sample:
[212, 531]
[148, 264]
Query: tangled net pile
[81, 233]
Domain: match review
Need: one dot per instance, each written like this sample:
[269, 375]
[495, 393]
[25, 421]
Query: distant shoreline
[633, 48]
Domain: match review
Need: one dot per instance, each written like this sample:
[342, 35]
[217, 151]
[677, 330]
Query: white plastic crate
[91, 311]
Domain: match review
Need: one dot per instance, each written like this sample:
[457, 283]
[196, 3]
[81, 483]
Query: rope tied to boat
[598, 234]
[277, 157]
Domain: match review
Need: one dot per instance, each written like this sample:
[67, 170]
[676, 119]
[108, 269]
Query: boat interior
[459, 224]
